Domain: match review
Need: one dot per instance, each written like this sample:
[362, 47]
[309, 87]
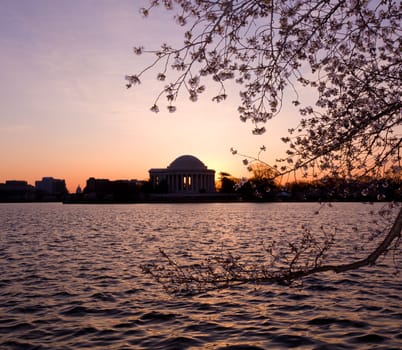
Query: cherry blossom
[345, 53]
[348, 52]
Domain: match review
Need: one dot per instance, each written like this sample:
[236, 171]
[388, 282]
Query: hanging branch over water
[304, 257]
[345, 53]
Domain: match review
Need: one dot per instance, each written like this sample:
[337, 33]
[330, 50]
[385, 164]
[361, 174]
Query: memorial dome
[187, 163]
[185, 175]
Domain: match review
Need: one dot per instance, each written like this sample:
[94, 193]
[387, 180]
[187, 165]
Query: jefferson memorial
[186, 174]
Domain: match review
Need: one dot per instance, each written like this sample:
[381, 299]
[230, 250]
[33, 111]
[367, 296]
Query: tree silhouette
[226, 183]
[347, 52]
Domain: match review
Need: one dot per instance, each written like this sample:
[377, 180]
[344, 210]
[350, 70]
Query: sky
[65, 111]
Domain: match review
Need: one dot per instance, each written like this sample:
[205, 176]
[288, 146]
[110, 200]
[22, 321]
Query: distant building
[51, 186]
[112, 190]
[186, 175]
[16, 190]
[98, 186]
[17, 185]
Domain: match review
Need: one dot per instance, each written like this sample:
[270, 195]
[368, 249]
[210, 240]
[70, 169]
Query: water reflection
[70, 278]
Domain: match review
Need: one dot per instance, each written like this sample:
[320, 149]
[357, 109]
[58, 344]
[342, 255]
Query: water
[70, 278]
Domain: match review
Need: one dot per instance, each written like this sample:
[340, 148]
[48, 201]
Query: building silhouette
[51, 186]
[110, 190]
[185, 175]
[16, 191]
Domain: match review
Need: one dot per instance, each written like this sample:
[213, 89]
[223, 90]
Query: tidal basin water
[70, 278]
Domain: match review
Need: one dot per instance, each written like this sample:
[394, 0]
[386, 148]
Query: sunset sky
[65, 111]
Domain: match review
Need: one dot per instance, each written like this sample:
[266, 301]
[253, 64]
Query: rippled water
[70, 278]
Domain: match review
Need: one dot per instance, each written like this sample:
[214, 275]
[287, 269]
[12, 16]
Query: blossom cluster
[347, 51]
